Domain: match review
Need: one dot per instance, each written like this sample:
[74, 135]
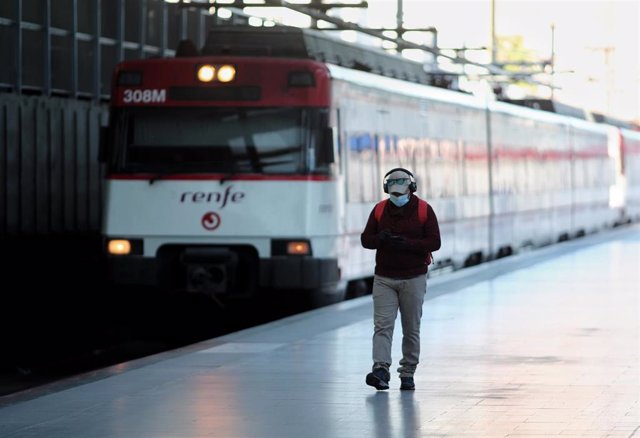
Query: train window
[362, 162]
[321, 149]
[255, 140]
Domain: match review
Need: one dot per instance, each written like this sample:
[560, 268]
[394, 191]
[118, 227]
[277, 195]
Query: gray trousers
[389, 295]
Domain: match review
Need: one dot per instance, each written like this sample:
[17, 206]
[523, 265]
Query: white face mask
[399, 201]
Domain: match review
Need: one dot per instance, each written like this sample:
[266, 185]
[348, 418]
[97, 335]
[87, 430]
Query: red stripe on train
[217, 176]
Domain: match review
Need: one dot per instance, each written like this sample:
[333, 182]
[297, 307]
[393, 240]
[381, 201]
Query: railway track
[114, 327]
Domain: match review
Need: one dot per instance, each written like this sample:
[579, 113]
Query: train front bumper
[224, 272]
[282, 272]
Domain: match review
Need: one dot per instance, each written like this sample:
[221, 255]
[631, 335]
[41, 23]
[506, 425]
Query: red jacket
[406, 260]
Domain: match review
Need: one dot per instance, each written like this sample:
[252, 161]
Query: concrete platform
[541, 344]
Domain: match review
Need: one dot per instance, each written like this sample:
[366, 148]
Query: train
[250, 166]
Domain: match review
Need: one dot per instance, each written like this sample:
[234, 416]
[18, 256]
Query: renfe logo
[221, 198]
[211, 220]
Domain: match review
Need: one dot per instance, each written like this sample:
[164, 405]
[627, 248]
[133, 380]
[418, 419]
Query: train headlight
[286, 247]
[298, 248]
[206, 73]
[119, 247]
[226, 73]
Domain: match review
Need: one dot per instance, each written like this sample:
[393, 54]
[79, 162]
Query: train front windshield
[229, 140]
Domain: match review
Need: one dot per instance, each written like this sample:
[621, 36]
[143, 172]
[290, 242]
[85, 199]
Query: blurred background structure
[588, 52]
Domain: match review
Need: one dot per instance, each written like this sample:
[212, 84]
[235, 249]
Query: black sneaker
[379, 379]
[407, 383]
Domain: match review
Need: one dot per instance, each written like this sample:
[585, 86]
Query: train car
[253, 164]
[627, 189]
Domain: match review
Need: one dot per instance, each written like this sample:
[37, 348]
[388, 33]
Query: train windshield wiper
[159, 175]
[235, 169]
[275, 163]
[228, 176]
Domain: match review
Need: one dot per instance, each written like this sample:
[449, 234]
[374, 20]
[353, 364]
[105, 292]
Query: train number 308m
[144, 96]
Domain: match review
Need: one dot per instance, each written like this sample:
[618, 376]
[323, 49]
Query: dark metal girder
[381, 29]
[324, 7]
[311, 10]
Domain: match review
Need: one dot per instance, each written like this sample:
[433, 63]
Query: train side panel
[629, 172]
[384, 128]
[593, 175]
[550, 175]
[531, 177]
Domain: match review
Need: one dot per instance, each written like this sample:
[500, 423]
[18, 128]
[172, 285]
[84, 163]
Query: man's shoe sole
[408, 388]
[378, 384]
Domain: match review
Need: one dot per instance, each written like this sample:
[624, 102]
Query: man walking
[404, 231]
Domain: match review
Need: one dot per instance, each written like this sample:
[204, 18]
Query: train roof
[571, 111]
[602, 118]
[295, 42]
[420, 91]
[550, 106]
[403, 87]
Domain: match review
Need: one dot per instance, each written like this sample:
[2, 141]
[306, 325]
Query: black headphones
[412, 185]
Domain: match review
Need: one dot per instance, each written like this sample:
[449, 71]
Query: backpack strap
[379, 209]
[423, 210]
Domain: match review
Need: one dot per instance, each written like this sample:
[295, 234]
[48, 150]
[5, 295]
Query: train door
[617, 191]
[630, 166]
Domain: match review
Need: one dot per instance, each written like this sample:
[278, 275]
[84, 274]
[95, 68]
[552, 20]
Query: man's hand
[384, 236]
[398, 241]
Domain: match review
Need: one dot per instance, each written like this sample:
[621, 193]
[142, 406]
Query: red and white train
[232, 172]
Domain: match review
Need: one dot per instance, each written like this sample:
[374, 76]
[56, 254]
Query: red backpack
[422, 216]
